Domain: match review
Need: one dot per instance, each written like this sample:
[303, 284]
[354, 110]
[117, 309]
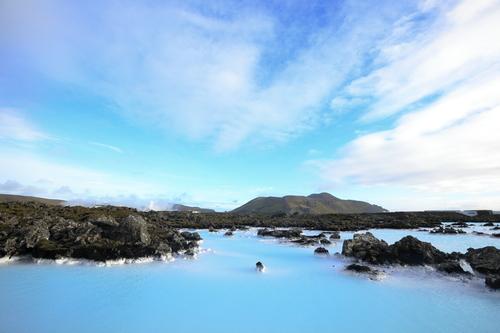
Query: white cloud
[41, 176]
[421, 62]
[16, 127]
[447, 149]
[191, 70]
[31, 174]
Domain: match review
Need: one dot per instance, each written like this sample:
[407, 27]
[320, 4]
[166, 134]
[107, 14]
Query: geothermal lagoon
[220, 291]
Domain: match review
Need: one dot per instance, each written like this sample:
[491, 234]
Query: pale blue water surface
[220, 291]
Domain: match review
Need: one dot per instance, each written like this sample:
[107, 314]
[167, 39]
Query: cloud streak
[14, 126]
[446, 145]
[107, 146]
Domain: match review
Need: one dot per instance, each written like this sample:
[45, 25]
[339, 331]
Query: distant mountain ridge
[24, 198]
[320, 203]
[184, 208]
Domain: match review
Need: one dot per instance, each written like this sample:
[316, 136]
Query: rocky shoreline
[366, 249]
[93, 234]
[117, 233]
[409, 251]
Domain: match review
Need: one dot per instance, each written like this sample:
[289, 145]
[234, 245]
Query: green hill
[322, 203]
[23, 198]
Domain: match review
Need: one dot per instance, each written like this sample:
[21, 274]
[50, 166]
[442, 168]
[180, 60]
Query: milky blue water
[221, 292]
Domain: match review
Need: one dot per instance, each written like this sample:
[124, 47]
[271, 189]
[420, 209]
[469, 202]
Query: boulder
[493, 281]
[305, 241]
[163, 250]
[447, 230]
[228, 233]
[325, 241]
[280, 233]
[411, 251]
[104, 221]
[335, 235]
[131, 229]
[451, 267]
[485, 260]
[368, 248]
[358, 268]
[259, 266]
[488, 224]
[191, 236]
[321, 251]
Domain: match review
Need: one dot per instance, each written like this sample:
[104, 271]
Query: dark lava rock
[479, 233]
[321, 250]
[358, 268]
[495, 228]
[228, 233]
[407, 251]
[191, 236]
[104, 221]
[451, 267]
[325, 241]
[305, 241]
[460, 224]
[259, 266]
[488, 224]
[411, 251]
[368, 248]
[335, 235]
[447, 230]
[496, 235]
[280, 233]
[493, 281]
[132, 228]
[99, 234]
[485, 260]
[49, 250]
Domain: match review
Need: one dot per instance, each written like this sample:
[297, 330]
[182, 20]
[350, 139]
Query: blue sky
[214, 103]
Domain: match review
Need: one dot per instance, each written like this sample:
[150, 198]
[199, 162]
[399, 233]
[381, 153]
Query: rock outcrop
[407, 251]
[321, 251]
[259, 267]
[52, 234]
[367, 247]
[280, 233]
[411, 251]
[447, 230]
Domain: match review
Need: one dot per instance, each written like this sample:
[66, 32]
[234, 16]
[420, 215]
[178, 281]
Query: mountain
[23, 198]
[321, 203]
[183, 208]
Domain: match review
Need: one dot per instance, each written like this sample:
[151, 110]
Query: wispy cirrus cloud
[14, 126]
[107, 146]
[208, 72]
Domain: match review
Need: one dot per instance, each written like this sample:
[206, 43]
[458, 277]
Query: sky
[213, 103]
